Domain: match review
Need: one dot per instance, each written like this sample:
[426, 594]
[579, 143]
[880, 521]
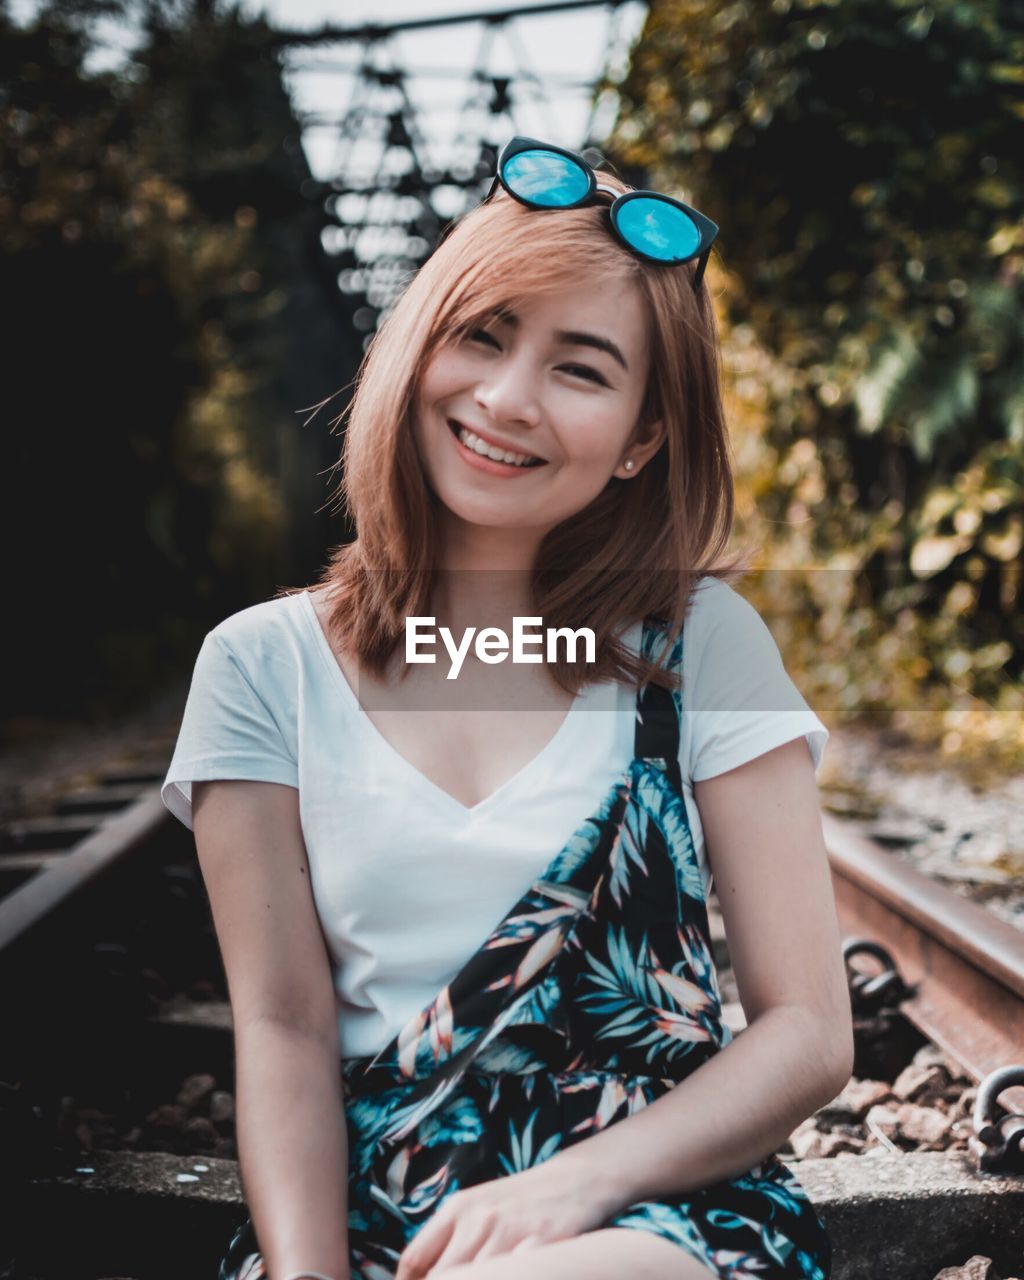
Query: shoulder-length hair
[639, 548]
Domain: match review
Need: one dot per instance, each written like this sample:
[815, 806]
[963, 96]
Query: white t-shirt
[408, 882]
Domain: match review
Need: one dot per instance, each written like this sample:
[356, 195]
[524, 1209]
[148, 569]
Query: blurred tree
[173, 312]
[864, 160]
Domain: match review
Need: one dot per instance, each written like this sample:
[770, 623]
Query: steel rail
[965, 966]
[64, 873]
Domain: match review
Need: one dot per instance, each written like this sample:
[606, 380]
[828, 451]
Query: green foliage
[863, 159]
[132, 246]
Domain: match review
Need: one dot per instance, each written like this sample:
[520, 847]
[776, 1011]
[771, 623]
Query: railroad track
[102, 905]
[955, 970]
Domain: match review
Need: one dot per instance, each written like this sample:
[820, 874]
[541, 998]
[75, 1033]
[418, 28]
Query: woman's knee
[612, 1253]
[649, 1256]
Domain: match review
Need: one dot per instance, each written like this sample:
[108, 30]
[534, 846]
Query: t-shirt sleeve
[740, 698]
[228, 730]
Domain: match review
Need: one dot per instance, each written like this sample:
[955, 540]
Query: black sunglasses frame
[707, 229]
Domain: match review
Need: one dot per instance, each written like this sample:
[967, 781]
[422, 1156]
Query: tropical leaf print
[521, 1155]
[615, 1097]
[776, 1243]
[369, 1118]
[405, 1119]
[394, 1183]
[365, 1269]
[667, 1221]
[460, 1121]
[626, 856]
[439, 1026]
[252, 1267]
[632, 1089]
[686, 994]
[780, 1186]
[639, 1004]
[428, 1040]
[540, 954]
[697, 957]
[659, 800]
[535, 921]
[503, 1056]
[521, 1088]
[652, 642]
[578, 852]
[410, 1041]
[809, 1266]
[421, 1196]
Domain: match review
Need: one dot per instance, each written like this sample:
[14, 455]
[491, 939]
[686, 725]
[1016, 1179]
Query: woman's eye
[578, 370]
[585, 371]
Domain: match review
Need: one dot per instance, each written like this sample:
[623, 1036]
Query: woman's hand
[551, 1201]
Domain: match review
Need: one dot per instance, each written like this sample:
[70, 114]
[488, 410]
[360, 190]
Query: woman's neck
[482, 597]
[486, 576]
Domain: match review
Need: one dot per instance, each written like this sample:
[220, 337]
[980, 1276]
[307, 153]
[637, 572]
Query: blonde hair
[639, 548]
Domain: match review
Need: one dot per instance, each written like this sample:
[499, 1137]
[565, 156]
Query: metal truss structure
[390, 197]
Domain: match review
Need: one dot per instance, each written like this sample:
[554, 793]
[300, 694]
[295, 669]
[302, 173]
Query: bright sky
[563, 46]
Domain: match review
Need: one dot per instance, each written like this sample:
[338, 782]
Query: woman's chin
[484, 517]
[483, 512]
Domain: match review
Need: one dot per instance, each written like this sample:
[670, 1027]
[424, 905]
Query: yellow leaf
[932, 555]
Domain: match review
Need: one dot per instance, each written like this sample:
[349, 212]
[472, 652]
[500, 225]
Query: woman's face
[560, 383]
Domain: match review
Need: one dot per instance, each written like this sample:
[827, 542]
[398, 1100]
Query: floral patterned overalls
[595, 995]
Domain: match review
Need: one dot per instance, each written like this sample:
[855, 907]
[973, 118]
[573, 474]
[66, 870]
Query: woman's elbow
[837, 1050]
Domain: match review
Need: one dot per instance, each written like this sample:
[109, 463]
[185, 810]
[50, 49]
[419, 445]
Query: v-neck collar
[496, 797]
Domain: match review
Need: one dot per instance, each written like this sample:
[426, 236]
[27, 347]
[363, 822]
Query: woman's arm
[762, 825]
[291, 1127]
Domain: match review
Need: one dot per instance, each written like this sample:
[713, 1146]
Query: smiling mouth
[469, 440]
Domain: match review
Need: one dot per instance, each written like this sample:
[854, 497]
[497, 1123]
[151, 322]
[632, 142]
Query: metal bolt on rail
[998, 1144]
[870, 993]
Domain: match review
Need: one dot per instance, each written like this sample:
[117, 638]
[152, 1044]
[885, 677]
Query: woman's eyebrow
[577, 338]
[592, 340]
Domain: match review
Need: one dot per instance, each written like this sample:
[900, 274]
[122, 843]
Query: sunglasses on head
[656, 227]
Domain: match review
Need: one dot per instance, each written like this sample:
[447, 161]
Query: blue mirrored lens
[658, 229]
[546, 178]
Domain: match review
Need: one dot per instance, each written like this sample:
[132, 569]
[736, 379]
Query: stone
[856, 1099]
[195, 1091]
[813, 1144]
[167, 1116]
[884, 1118]
[201, 1135]
[915, 1079]
[976, 1268]
[222, 1107]
[922, 1124]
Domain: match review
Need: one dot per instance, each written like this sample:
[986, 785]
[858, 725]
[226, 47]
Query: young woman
[464, 920]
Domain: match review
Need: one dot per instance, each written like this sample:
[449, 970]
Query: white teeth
[486, 450]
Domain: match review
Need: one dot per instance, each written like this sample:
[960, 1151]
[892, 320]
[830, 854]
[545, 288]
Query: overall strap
[657, 720]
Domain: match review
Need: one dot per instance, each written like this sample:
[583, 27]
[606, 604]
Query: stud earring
[629, 464]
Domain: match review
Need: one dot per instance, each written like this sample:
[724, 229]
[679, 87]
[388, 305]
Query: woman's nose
[508, 394]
